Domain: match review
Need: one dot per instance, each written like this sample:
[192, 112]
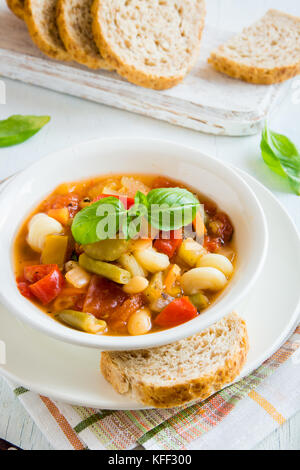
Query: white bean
[140, 244]
[202, 278]
[136, 285]
[139, 322]
[39, 227]
[217, 261]
[151, 260]
[128, 261]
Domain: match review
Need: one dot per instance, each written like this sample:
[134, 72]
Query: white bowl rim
[69, 335]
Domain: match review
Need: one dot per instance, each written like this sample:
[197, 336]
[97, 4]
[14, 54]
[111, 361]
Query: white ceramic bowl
[211, 177]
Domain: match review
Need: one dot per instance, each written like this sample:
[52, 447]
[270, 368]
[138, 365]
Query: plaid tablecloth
[238, 417]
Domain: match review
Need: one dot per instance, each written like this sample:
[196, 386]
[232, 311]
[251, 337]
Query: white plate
[71, 373]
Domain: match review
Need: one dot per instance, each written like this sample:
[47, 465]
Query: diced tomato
[79, 303]
[169, 246]
[36, 272]
[119, 318]
[210, 208]
[126, 201]
[103, 297]
[220, 226]
[47, 282]
[177, 312]
[23, 287]
[212, 244]
[70, 201]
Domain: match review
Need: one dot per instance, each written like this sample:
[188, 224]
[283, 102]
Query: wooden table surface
[74, 120]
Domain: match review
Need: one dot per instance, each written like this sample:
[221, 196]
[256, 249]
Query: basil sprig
[165, 209]
[16, 129]
[171, 208]
[282, 157]
[99, 221]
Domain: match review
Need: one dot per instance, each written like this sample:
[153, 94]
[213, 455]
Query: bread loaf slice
[17, 7]
[265, 53]
[151, 43]
[74, 21]
[40, 17]
[191, 369]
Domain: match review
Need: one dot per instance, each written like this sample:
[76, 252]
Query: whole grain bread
[17, 7]
[152, 43]
[40, 17]
[74, 21]
[265, 53]
[188, 370]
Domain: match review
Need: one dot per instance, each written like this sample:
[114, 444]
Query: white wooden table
[74, 120]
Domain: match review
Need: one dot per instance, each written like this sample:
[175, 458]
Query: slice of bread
[151, 43]
[40, 17]
[265, 53]
[74, 21]
[188, 370]
[17, 7]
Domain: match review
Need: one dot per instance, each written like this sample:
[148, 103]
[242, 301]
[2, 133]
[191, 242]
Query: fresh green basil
[282, 157]
[140, 199]
[164, 208]
[99, 221]
[133, 222]
[171, 208]
[16, 129]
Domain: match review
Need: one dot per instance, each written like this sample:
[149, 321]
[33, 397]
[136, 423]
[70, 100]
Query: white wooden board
[206, 101]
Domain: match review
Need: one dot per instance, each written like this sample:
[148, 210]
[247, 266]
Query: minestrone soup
[124, 255]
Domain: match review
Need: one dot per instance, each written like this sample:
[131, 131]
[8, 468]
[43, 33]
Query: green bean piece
[106, 250]
[82, 321]
[110, 271]
[200, 301]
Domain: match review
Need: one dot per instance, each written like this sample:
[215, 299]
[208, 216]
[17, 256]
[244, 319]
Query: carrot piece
[199, 226]
[61, 215]
[171, 277]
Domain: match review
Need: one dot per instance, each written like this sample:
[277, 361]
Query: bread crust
[254, 74]
[131, 73]
[76, 52]
[17, 7]
[179, 394]
[38, 38]
[251, 74]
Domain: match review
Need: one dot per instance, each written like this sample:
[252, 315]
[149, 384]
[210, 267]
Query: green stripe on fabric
[91, 420]
[150, 434]
[20, 390]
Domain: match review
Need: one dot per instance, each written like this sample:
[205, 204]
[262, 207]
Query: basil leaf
[171, 208]
[133, 222]
[282, 157]
[140, 199]
[164, 208]
[16, 129]
[99, 221]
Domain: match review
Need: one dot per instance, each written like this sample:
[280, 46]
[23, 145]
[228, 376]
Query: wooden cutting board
[206, 100]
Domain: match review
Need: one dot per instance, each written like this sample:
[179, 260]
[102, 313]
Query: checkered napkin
[238, 417]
